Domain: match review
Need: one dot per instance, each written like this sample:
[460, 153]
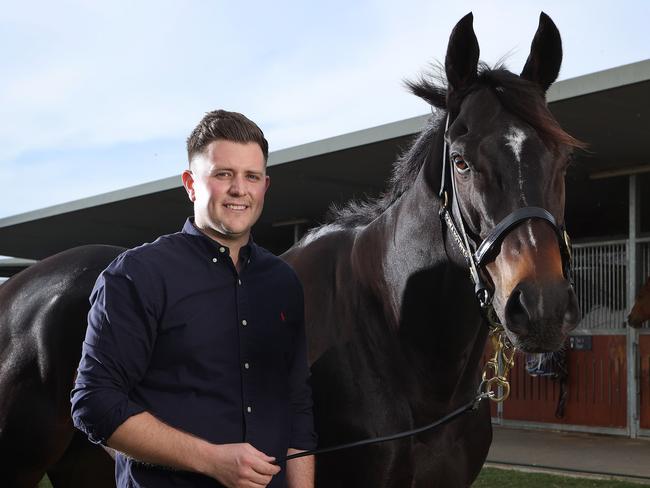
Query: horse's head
[507, 152]
[641, 310]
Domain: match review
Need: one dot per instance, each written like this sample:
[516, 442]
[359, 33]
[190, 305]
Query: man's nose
[238, 186]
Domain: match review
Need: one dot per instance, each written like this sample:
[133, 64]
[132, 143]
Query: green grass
[44, 483]
[507, 478]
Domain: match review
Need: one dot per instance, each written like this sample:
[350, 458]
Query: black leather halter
[476, 260]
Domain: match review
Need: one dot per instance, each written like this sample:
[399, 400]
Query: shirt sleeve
[303, 435]
[121, 332]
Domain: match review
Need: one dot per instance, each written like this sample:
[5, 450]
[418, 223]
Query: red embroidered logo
[283, 317]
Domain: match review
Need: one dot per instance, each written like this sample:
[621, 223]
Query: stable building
[607, 215]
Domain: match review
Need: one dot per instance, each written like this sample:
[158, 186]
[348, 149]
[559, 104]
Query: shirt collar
[246, 252]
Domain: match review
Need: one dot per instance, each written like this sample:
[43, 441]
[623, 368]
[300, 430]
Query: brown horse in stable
[641, 310]
[395, 329]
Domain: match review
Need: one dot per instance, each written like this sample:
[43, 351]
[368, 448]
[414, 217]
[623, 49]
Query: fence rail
[601, 276]
[600, 272]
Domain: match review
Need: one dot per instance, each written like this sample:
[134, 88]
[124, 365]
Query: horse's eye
[459, 163]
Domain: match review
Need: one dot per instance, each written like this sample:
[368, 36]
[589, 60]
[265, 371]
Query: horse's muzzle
[541, 315]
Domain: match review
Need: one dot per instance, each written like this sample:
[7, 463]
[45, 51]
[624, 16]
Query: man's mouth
[234, 206]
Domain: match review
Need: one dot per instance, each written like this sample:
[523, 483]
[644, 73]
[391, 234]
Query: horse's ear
[545, 58]
[461, 61]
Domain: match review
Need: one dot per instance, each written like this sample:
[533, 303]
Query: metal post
[632, 334]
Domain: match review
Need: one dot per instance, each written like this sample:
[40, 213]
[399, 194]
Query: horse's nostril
[517, 314]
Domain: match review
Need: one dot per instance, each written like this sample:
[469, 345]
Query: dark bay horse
[42, 327]
[641, 310]
[395, 331]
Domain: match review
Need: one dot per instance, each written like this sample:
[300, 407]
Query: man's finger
[262, 467]
[259, 479]
[260, 454]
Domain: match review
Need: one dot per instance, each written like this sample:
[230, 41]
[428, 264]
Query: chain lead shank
[494, 378]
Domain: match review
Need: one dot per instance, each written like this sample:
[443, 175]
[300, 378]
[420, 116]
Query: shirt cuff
[303, 435]
[99, 430]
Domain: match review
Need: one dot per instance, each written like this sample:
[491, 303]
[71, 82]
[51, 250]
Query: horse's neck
[406, 239]
[430, 299]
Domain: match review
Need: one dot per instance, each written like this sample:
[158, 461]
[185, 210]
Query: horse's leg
[454, 455]
[83, 464]
[474, 441]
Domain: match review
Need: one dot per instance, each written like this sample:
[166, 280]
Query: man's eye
[222, 174]
[254, 177]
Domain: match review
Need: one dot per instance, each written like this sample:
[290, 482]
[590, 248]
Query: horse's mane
[403, 174]
[520, 97]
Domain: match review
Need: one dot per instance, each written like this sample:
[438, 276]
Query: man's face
[227, 184]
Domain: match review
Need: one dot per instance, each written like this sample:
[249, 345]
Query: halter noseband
[477, 259]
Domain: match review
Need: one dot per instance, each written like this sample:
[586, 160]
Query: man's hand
[241, 466]
[147, 439]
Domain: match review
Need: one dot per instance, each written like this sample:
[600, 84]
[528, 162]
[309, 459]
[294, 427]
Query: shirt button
[249, 409]
[243, 322]
[246, 365]
[239, 282]
[222, 249]
[214, 260]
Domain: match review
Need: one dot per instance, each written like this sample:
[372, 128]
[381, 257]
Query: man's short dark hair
[229, 126]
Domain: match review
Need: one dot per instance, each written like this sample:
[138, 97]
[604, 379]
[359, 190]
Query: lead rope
[472, 405]
[494, 385]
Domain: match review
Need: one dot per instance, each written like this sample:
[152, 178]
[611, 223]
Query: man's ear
[188, 183]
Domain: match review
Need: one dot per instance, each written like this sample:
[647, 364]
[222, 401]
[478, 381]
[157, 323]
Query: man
[194, 365]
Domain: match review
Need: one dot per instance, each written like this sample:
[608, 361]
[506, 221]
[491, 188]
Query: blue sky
[97, 96]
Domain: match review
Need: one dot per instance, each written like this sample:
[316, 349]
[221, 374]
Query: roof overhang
[610, 110]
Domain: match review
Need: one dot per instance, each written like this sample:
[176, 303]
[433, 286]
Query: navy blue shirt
[175, 330]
